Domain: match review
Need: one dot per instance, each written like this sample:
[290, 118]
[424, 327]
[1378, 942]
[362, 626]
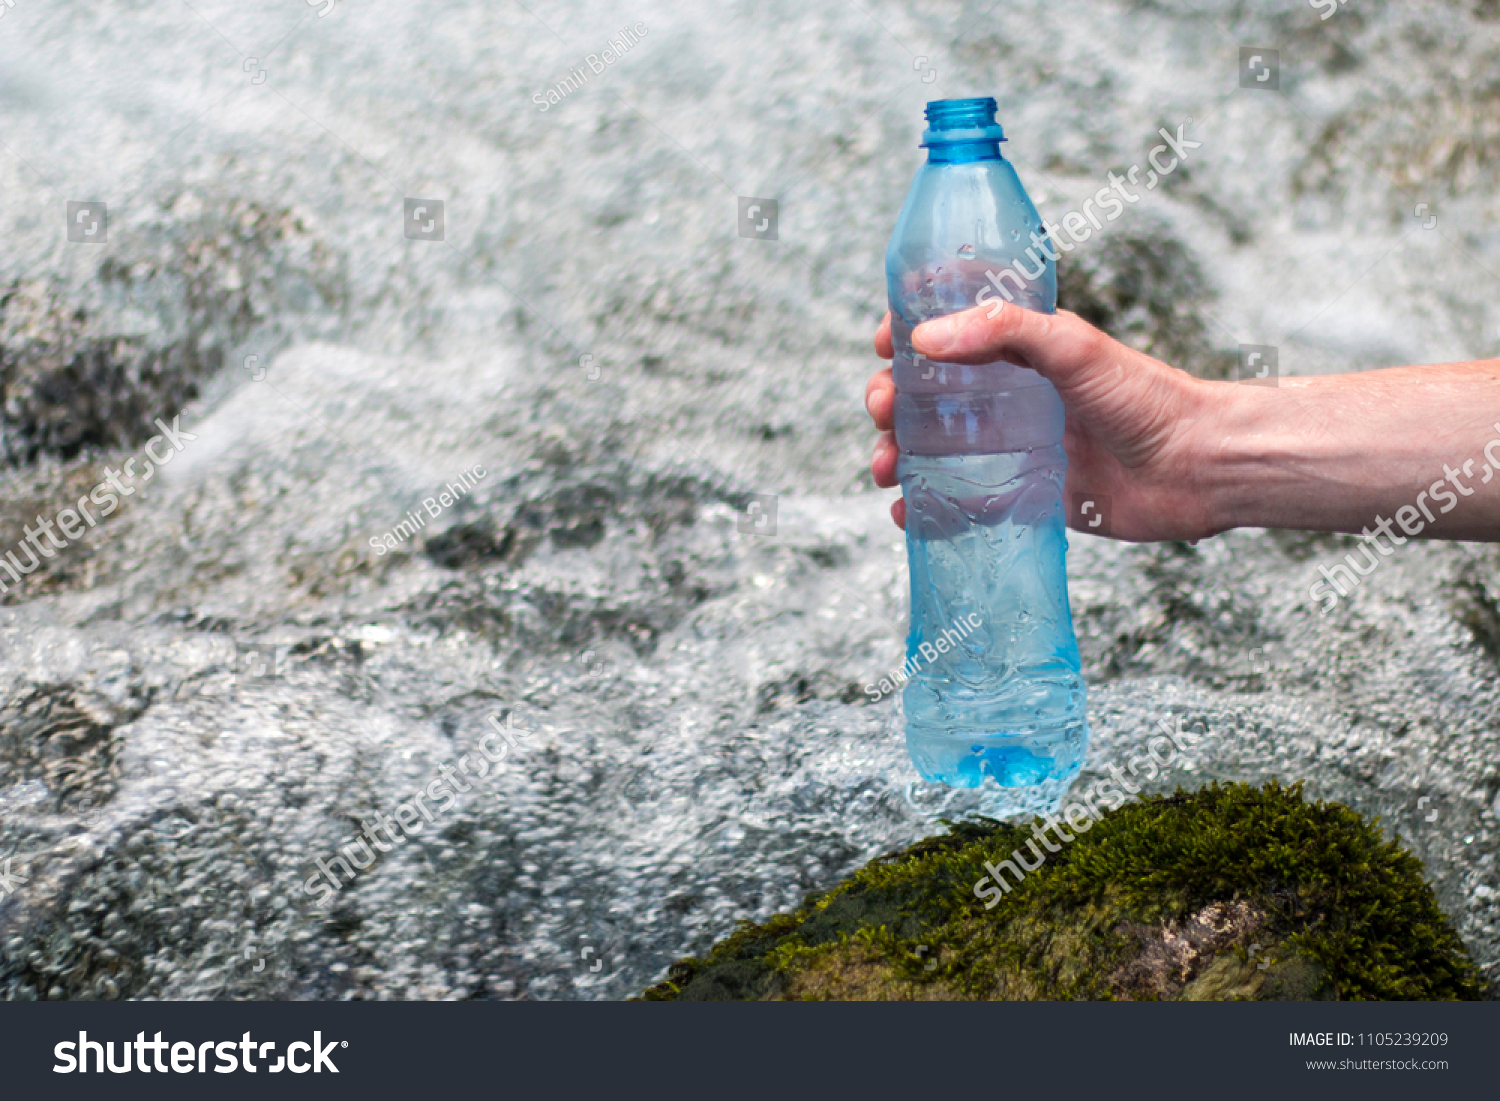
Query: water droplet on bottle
[1015, 235]
[966, 252]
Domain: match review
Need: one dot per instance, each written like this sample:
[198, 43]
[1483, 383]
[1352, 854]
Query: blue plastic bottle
[995, 685]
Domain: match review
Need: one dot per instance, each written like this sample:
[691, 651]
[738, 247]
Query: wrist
[1336, 453]
[1284, 456]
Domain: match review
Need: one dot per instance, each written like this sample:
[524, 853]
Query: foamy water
[631, 372]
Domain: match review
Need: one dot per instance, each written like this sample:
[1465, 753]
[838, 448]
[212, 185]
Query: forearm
[1344, 452]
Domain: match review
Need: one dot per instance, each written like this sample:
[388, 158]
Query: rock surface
[1232, 893]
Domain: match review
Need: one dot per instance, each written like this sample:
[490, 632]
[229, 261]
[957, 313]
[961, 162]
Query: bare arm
[1342, 452]
[1181, 458]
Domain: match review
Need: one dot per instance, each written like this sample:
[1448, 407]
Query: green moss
[1232, 892]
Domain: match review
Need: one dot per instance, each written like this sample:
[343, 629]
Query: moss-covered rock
[1233, 892]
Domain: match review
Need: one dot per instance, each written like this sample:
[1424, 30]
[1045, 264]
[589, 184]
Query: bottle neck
[963, 152]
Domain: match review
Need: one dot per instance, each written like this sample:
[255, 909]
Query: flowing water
[672, 582]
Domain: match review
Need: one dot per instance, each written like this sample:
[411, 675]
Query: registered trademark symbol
[346, 1043]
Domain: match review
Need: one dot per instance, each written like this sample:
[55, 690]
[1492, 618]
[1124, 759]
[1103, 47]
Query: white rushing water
[594, 333]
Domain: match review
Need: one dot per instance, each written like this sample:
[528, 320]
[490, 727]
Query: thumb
[1063, 348]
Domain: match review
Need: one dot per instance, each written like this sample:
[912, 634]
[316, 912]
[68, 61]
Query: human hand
[1136, 429]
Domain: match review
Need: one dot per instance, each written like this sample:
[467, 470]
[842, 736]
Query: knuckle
[1093, 345]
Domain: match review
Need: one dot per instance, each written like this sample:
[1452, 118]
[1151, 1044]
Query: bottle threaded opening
[962, 120]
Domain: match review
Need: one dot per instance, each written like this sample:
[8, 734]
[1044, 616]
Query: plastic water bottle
[995, 686]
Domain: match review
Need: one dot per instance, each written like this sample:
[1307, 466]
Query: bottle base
[1033, 770]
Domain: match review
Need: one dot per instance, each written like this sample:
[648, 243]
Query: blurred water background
[632, 373]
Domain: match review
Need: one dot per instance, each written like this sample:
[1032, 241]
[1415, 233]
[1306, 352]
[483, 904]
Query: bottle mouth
[950, 121]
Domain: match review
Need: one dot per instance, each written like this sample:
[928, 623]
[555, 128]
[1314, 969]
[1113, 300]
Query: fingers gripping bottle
[995, 687]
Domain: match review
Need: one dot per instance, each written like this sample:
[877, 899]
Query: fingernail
[937, 335]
